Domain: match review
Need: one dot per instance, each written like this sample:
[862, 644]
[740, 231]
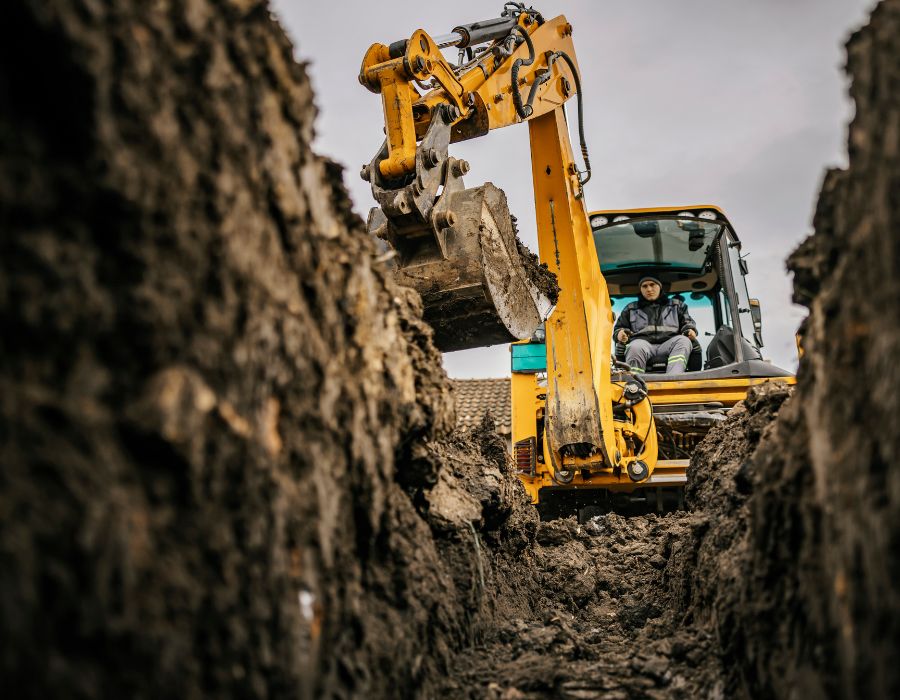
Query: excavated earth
[229, 464]
[616, 612]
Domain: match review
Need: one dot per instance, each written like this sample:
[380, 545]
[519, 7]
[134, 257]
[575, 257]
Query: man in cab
[655, 327]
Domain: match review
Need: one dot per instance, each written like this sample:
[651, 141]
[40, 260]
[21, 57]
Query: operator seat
[721, 349]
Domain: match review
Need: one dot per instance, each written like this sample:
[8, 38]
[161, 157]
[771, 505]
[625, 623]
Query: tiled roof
[475, 396]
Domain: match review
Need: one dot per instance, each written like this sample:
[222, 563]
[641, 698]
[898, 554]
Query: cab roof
[673, 211]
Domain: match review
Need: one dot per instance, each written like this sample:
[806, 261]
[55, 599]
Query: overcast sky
[729, 102]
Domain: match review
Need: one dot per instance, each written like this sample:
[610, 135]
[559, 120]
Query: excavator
[588, 431]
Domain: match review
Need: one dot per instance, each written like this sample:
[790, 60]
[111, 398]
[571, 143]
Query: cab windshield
[677, 243]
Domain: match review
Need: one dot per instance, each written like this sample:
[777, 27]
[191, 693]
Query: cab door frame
[726, 241]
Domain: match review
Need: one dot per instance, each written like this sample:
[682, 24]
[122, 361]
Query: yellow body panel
[527, 407]
[527, 402]
[725, 391]
[579, 331]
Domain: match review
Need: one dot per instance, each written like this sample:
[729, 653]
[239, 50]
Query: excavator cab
[696, 254]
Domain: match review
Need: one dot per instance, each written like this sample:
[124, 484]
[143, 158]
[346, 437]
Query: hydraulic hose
[518, 8]
[582, 141]
[524, 111]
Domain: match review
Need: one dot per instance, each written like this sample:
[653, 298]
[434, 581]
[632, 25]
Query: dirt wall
[219, 416]
[797, 570]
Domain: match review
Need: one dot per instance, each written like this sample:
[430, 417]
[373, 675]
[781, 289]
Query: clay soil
[229, 465]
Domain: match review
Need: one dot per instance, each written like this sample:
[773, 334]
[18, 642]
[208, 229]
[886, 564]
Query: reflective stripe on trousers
[675, 351]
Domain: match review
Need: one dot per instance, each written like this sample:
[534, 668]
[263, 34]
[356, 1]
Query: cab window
[740, 288]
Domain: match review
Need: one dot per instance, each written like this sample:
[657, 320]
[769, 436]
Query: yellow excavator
[586, 428]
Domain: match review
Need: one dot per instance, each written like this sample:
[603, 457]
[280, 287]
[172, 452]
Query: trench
[229, 460]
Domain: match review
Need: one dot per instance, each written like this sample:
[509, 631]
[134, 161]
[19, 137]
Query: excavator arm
[489, 92]
[457, 246]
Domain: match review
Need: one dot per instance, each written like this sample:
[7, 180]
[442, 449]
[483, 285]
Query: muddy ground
[597, 628]
[229, 468]
[619, 613]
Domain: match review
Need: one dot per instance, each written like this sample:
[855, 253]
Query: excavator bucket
[479, 284]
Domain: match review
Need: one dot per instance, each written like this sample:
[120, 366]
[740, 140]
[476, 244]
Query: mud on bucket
[486, 288]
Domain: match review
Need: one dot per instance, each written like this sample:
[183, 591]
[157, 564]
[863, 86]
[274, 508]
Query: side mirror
[646, 229]
[744, 268]
[695, 240]
[756, 317]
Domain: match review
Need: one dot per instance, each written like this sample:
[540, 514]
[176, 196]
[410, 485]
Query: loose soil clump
[598, 625]
[538, 273]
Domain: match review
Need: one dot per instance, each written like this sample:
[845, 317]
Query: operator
[656, 327]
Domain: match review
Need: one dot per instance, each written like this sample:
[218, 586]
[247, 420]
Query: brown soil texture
[822, 606]
[228, 465]
[538, 273]
[219, 414]
[797, 572]
[639, 606]
[598, 626]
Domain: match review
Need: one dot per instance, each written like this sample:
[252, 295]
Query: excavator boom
[457, 246]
